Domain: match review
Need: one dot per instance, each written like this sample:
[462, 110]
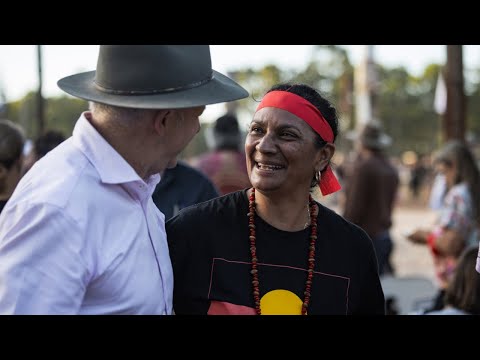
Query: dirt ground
[411, 213]
[407, 258]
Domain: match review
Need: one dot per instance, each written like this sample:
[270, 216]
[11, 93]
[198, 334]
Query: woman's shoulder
[336, 220]
[341, 227]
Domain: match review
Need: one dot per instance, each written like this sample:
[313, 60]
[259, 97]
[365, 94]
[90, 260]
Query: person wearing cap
[370, 191]
[225, 164]
[81, 234]
[271, 248]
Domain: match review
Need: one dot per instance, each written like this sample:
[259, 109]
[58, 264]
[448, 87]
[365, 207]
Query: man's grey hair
[125, 116]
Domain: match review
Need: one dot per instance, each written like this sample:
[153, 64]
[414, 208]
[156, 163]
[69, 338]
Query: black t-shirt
[2, 204]
[180, 187]
[209, 247]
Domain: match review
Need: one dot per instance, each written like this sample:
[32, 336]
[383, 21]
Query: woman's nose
[266, 144]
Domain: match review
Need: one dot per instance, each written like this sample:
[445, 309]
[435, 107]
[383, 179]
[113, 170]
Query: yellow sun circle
[280, 302]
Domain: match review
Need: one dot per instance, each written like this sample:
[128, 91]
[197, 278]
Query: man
[81, 234]
[370, 191]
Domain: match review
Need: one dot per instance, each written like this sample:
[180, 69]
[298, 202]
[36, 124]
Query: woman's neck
[284, 213]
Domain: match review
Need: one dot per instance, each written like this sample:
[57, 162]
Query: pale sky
[18, 63]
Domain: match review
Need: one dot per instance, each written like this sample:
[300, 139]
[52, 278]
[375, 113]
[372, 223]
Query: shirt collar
[110, 165]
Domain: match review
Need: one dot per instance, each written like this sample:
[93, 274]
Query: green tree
[405, 102]
[406, 109]
[61, 113]
[328, 70]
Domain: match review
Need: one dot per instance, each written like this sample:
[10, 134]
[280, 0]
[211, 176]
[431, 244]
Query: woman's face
[280, 152]
[449, 171]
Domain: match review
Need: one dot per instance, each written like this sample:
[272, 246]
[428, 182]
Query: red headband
[305, 110]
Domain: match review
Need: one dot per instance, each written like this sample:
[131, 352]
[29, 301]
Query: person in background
[370, 192]
[41, 146]
[12, 140]
[419, 175]
[456, 227]
[462, 295]
[181, 187]
[271, 248]
[81, 234]
[225, 164]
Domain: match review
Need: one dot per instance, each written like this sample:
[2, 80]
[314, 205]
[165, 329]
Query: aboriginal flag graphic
[281, 290]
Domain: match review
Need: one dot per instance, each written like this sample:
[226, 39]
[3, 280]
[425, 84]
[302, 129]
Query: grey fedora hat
[153, 77]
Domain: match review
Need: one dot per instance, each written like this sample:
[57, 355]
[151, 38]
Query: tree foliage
[405, 106]
[405, 102]
[61, 113]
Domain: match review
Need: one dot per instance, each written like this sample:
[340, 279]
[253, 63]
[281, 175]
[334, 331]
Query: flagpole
[365, 82]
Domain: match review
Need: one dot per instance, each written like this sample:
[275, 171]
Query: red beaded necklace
[253, 252]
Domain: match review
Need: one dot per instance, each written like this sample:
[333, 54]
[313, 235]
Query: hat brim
[382, 142]
[218, 90]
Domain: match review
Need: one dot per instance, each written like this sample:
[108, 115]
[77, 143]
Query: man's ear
[160, 121]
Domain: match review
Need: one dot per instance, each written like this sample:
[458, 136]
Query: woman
[271, 249]
[459, 215]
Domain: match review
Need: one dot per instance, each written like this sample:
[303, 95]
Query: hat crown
[153, 77]
[149, 69]
[371, 132]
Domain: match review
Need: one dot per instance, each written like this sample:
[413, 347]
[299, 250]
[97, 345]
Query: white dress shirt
[81, 235]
